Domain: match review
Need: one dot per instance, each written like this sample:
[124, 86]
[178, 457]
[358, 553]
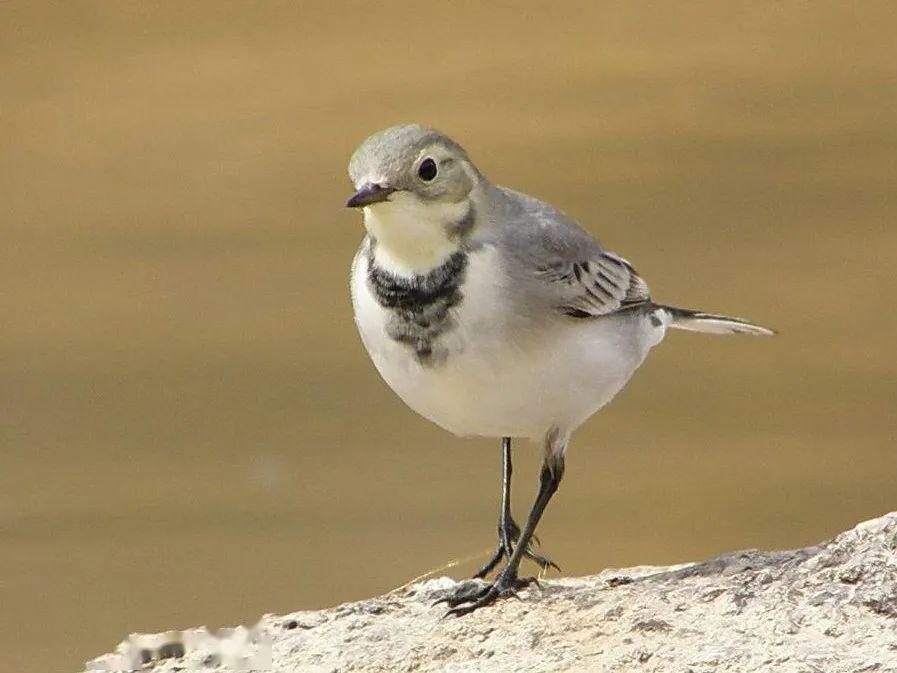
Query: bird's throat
[413, 238]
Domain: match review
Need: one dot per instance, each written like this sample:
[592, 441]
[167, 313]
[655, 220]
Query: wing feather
[594, 287]
[555, 263]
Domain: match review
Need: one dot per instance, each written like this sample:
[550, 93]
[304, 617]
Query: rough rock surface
[828, 608]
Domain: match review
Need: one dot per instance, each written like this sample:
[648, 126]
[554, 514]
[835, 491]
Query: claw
[508, 534]
[543, 562]
[503, 587]
[465, 592]
[484, 600]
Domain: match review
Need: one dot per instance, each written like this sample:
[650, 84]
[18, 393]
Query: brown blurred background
[191, 430]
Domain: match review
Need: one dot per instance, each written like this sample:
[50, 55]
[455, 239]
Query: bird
[493, 314]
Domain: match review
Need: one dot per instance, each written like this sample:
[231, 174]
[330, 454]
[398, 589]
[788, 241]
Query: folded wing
[589, 288]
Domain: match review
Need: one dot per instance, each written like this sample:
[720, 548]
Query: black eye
[427, 170]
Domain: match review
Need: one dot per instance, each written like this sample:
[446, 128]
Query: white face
[413, 234]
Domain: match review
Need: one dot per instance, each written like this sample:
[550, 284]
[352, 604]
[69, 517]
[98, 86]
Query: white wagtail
[492, 313]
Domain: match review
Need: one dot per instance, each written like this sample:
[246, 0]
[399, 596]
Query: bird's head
[413, 163]
[416, 187]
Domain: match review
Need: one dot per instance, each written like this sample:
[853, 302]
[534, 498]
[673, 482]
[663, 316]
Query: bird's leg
[508, 581]
[508, 530]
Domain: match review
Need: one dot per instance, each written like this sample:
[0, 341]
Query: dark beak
[369, 194]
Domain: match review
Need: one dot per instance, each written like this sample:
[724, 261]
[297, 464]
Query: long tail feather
[711, 323]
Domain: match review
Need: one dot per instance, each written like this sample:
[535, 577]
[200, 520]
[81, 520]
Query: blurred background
[191, 430]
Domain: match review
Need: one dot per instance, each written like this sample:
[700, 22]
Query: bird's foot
[508, 534]
[470, 596]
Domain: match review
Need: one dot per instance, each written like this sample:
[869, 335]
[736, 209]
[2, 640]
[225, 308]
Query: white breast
[505, 374]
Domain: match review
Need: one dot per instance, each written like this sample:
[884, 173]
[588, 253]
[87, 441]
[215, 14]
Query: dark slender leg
[505, 536]
[506, 525]
[508, 530]
[508, 581]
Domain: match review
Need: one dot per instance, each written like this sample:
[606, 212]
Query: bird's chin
[411, 235]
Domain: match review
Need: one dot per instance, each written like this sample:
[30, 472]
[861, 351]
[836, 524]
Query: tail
[698, 321]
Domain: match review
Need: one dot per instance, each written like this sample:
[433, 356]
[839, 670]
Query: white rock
[830, 608]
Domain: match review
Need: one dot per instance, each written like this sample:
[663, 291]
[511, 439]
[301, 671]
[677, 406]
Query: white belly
[503, 375]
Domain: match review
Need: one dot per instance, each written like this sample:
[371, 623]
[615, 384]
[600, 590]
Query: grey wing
[594, 286]
[561, 264]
